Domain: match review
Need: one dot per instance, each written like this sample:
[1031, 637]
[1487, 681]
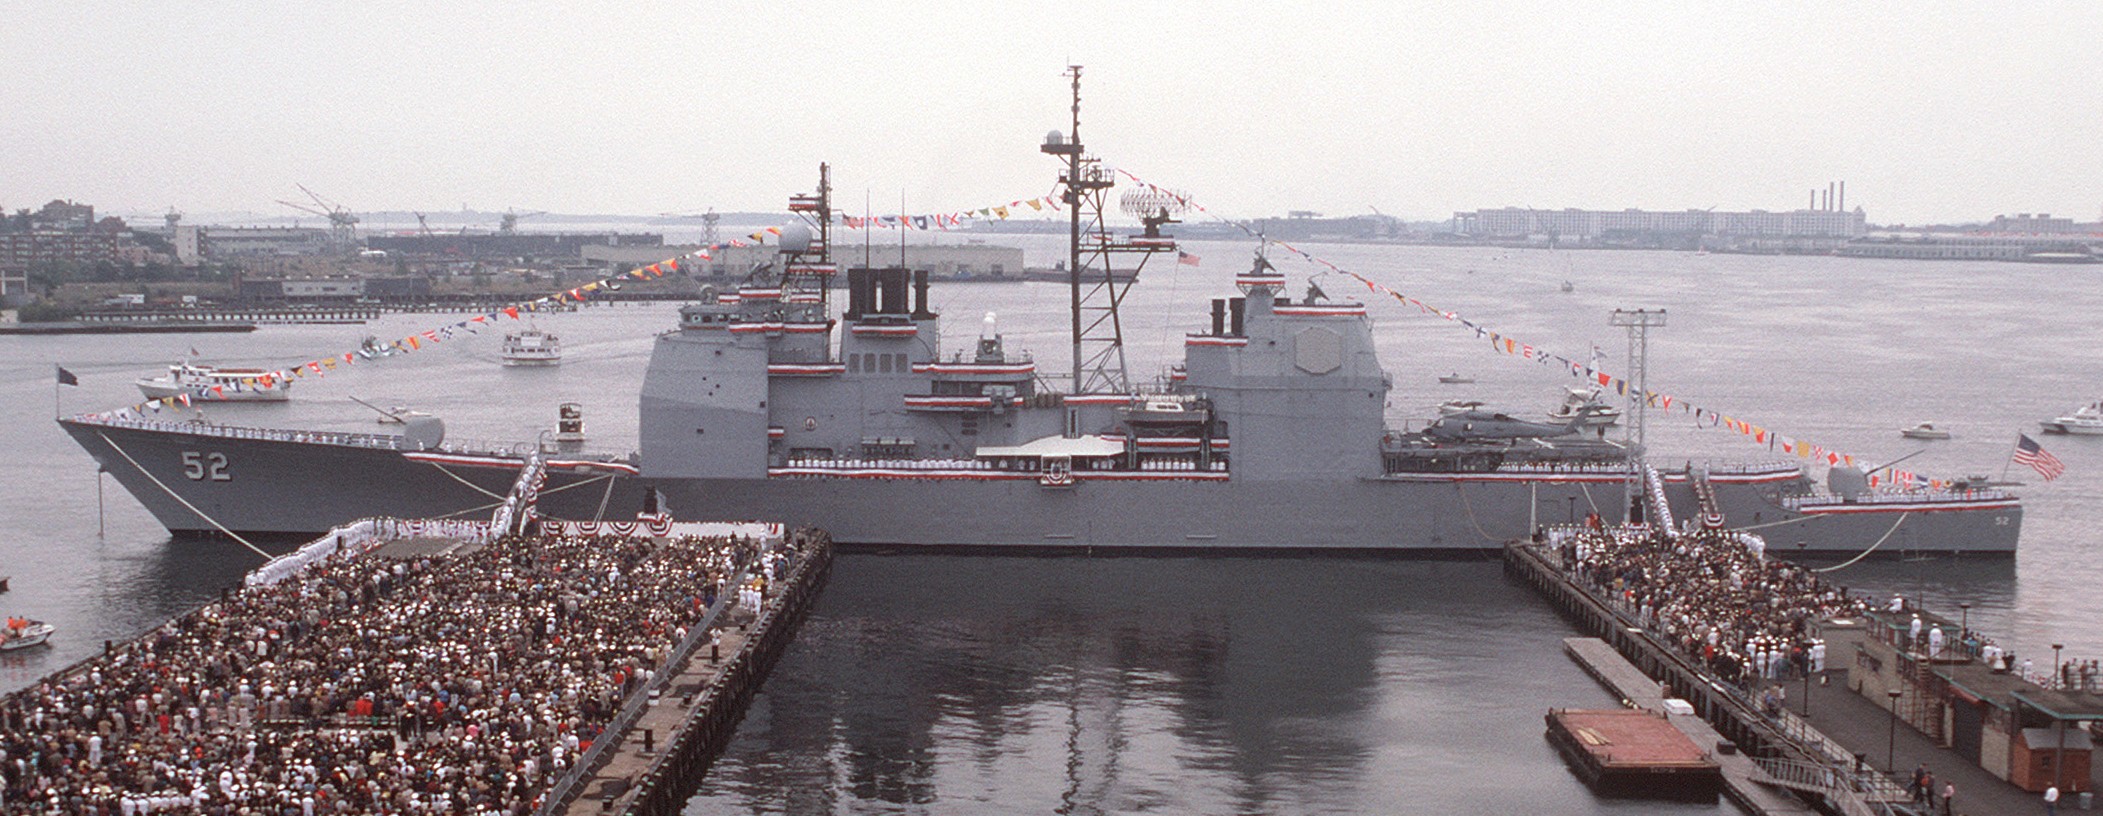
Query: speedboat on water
[532, 347]
[213, 384]
[22, 633]
[1925, 430]
[2084, 421]
[1455, 379]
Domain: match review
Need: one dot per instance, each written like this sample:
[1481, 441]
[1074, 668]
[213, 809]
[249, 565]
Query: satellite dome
[1055, 138]
[795, 238]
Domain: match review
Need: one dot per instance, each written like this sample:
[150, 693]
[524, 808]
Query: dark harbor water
[953, 684]
[949, 684]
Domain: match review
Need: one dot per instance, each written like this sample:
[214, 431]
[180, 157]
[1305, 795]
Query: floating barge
[1628, 752]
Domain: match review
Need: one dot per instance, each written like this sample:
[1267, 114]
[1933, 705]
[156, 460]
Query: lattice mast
[807, 271]
[1094, 290]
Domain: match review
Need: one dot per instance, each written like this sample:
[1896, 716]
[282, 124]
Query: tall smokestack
[1814, 200]
[1843, 197]
[1829, 195]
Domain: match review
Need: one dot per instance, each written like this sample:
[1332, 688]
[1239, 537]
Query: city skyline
[1947, 115]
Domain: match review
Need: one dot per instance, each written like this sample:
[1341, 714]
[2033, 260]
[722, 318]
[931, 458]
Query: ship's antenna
[868, 209]
[901, 230]
[1094, 300]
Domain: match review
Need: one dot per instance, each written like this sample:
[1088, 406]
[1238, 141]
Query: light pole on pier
[1639, 323]
[1891, 747]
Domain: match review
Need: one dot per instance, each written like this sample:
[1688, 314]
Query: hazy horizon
[1936, 114]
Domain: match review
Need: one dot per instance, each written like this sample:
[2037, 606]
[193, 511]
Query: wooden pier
[652, 762]
[1764, 758]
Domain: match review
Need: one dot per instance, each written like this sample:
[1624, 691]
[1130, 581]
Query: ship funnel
[920, 311]
[988, 329]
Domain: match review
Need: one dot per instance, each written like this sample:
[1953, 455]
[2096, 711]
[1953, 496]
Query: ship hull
[213, 482]
[274, 486]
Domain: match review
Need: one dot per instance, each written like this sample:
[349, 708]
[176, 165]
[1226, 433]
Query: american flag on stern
[1186, 258]
[2029, 453]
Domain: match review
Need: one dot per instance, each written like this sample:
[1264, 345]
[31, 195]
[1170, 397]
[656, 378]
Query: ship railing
[1824, 499]
[465, 447]
[1740, 468]
[201, 428]
[1024, 465]
[356, 538]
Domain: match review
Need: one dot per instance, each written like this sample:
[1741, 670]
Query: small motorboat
[372, 349]
[2085, 421]
[1925, 430]
[22, 633]
[1569, 287]
[1455, 378]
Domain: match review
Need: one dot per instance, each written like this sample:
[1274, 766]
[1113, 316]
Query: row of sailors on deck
[369, 685]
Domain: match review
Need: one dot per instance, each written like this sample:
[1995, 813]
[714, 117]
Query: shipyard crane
[710, 218]
[343, 224]
[423, 225]
[508, 224]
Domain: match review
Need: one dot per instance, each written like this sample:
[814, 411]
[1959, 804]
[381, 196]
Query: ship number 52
[200, 467]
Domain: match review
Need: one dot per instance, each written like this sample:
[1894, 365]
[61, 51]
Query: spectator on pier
[465, 684]
[1711, 596]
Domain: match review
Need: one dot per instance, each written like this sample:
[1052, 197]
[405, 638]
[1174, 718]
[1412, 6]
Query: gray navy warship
[768, 401]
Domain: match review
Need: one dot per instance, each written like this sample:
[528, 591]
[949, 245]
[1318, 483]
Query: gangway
[1659, 511]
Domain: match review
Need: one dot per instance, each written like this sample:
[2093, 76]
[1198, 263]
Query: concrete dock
[1744, 781]
[656, 760]
[1775, 765]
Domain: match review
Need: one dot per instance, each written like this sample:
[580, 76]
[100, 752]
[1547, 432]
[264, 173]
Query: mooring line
[178, 497]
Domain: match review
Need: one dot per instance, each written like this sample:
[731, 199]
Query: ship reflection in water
[959, 684]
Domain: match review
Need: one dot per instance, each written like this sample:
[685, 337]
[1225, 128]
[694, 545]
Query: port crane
[343, 224]
[508, 224]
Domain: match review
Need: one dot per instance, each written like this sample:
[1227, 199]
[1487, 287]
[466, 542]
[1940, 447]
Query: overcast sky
[1929, 111]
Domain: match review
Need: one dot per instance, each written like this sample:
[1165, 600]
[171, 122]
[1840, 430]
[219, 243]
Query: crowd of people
[462, 684]
[1719, 600]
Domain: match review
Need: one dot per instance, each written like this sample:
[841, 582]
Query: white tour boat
[532, 347]
[1925, 430]
[212, 384]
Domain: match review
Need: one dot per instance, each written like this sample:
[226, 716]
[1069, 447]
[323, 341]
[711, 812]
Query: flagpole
[2011, 456]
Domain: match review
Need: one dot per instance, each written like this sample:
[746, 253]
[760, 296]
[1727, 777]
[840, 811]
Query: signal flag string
[1510, 346]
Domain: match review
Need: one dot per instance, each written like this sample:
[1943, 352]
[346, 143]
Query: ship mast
[807, 277]
[1094, 289]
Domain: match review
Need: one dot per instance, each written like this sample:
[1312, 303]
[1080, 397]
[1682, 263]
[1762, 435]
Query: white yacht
[2086, 421]
[1925, 430]
[1585, 402]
